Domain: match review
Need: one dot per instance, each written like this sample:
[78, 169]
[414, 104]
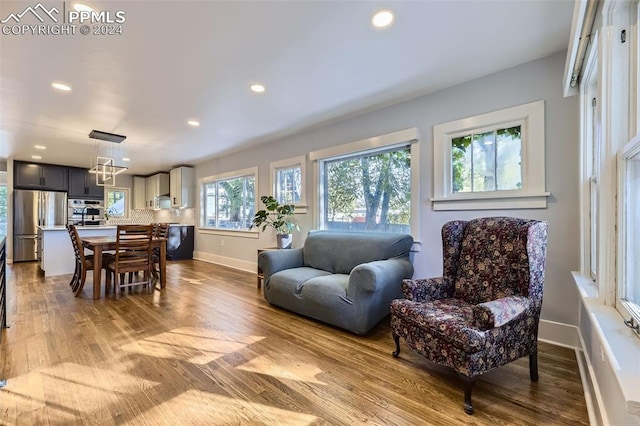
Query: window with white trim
[629, 288]
[288, 181]
[370, 185]
[592, 137]
[491, 161]
[228, 201]
[3, 209]
[117, 202]
[628, 260]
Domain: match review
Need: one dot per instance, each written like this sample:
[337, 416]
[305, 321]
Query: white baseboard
[592, 395]
[242, 265]
[558, 333]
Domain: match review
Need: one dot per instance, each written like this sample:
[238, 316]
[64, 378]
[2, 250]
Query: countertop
[63, 228]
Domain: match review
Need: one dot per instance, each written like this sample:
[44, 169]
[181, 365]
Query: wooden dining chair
[133, 254]
[84, 262]
[160, 230]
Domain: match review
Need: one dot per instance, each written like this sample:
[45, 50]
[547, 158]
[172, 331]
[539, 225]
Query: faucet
[84, 210]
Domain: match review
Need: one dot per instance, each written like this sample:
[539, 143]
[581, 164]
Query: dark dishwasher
[180, 242]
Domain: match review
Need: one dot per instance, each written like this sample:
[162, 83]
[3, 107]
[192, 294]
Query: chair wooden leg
[116, 284]
[533, 366]
[83, 278]
[107, 280]
[468, 388]
[72, 283]
[396, 339]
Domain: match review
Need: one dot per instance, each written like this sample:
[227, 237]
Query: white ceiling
[177, 60]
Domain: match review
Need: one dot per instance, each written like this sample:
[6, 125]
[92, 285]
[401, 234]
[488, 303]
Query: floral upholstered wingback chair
[485, 309]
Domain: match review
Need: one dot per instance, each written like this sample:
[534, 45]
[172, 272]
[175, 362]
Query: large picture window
[369, 185]
[228, 201]
[370, 191]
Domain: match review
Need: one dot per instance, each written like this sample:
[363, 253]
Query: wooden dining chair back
[160, 230]
[84, 262]
[133, 254]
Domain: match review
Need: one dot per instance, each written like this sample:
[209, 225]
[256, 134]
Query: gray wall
[541, 79]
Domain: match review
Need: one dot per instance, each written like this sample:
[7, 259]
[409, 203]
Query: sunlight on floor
[203, 408]
[192, 281]
[284, 366]
[196, 345]
[68, 385]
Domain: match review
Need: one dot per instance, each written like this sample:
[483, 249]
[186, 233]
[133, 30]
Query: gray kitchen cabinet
[82, 184]
[39, 176]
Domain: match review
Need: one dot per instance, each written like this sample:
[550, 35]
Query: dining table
[106, 243]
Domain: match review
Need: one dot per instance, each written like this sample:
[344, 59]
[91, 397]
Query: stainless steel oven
[86, 212]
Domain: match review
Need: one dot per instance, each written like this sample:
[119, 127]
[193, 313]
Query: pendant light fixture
[105, 167]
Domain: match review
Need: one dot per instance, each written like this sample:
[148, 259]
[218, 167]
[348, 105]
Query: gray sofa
[344, 279]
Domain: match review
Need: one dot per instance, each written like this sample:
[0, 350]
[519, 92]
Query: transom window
[491, 161]
[228, 201]
[488, 161]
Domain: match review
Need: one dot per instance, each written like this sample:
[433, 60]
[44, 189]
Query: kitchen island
[56, 256]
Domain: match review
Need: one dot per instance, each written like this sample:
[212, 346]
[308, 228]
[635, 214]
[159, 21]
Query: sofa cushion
[340, 252]
[326, 289]
[292, 280]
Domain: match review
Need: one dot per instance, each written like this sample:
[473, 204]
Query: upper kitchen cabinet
[182, 182]
[39, 176]
[82, 184]
[157, 186]
[139, 193]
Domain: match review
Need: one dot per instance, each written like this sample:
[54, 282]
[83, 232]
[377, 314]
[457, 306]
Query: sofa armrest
[498, 312]
[372, 276]
[272, 261]
[425, 290]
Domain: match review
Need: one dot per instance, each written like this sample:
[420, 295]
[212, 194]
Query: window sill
[300, 208]
[620, 345]
[491, 200]
[230, 232]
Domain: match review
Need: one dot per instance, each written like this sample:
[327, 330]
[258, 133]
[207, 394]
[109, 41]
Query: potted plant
[279, 217]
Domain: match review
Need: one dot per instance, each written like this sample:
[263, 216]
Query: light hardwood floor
[209, 350]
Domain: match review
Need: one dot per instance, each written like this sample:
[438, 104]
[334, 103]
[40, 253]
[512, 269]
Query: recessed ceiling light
[61, 86]
[382, 18]
[194, 123]
[126, 159]
[83, 8]
[36, 157]
[40, 147]
[258, 88]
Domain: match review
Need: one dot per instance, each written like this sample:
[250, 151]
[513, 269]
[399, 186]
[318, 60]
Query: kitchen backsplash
[181, 216]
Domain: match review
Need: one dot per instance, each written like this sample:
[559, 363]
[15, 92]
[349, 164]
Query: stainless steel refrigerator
[30, 210]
